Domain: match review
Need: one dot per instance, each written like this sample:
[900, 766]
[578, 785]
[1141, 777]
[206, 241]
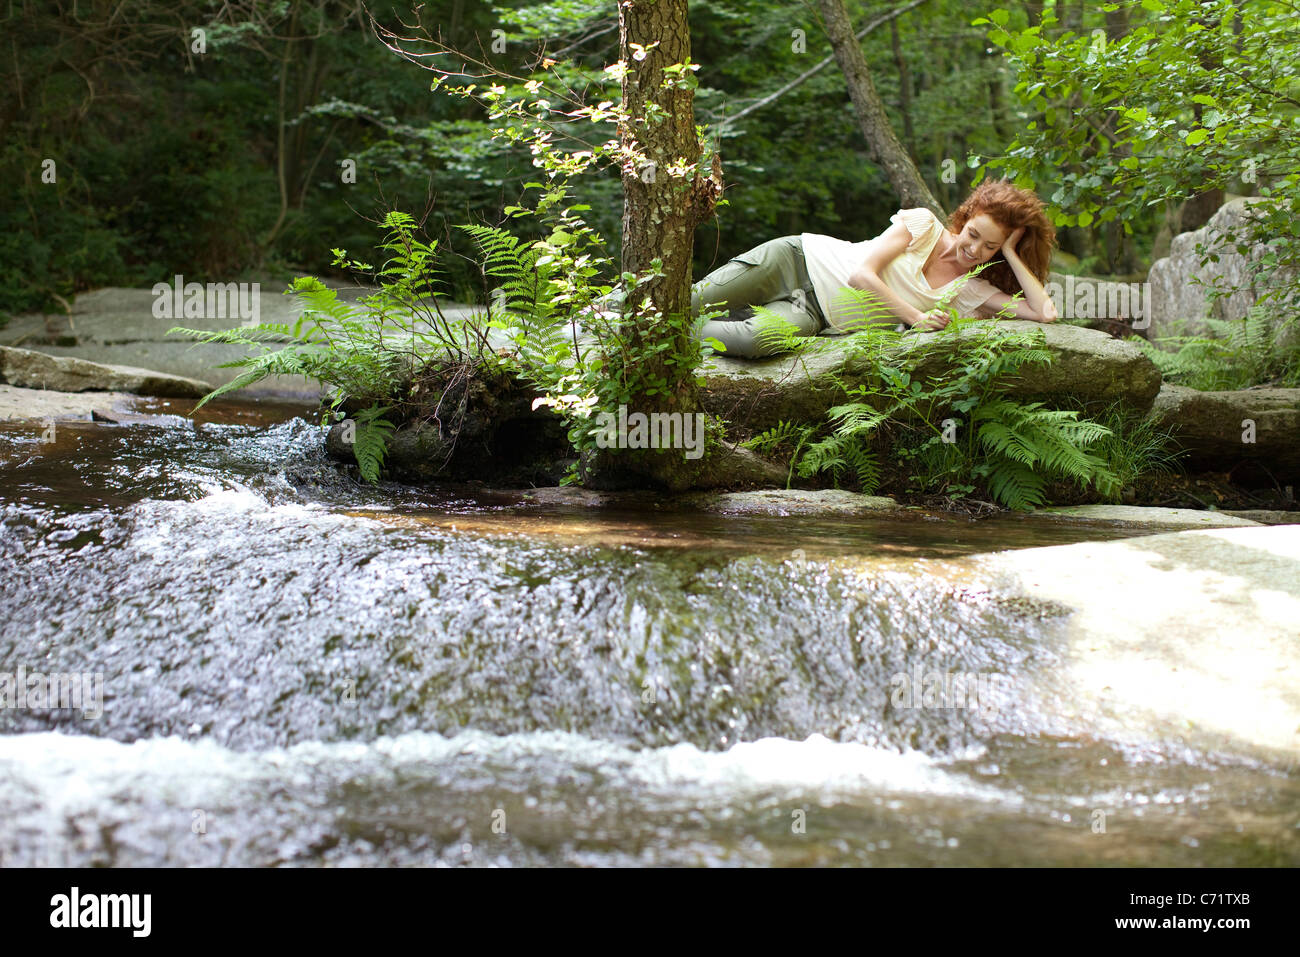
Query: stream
[301, 670]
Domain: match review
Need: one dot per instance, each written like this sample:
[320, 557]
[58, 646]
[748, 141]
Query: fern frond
[866, 467]
[239, 335]
[766, 442]
[776, 333]
[1015, 486]
[259, 367]
[370, 444]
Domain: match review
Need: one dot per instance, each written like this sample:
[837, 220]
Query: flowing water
[300, 670]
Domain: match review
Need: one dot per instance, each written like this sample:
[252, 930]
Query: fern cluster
[1026, 445]
[954, 427]
[1258, 349]
[569, 341]
[366, 352]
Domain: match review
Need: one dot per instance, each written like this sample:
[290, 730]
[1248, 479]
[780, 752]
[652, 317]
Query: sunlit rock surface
[36, 370]
[1193, 635]
[1143, 515]
[1180, 282]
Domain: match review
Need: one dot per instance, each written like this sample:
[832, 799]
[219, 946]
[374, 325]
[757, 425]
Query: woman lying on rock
[911, 268]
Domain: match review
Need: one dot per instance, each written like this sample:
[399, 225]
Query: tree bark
[882, 142]
[665, 196]
[657, 220]
[904, 89]
[997, 109]
[1198, 209]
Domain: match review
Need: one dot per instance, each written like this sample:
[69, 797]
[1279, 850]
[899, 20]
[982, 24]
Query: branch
[1257, 88]
[393, 42]
[808, 74]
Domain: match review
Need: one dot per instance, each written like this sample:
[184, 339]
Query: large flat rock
[118, 326]
[1222, 429]
[36, 370]
[757, 393]
[1188, 635]
[1180, 282]
[41, 405]
[1145, 515]
[776, 501]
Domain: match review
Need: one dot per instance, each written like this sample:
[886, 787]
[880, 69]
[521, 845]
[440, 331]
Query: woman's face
[979, 240]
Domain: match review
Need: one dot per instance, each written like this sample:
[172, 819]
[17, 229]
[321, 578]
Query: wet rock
[126, 417]
[777, 502]
[565, 495]
[517, 448]
[416, 452]
[1142, 515]
[1222, 429]
[36, 370]
[18, 404]
[1266, 516]
[789, 502]
[118, 326]
[722, 466]
[755, 394]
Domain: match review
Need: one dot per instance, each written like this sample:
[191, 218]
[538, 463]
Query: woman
[910, 271]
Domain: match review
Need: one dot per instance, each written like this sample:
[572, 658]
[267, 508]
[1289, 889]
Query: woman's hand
[932, 321]
[1009, 244]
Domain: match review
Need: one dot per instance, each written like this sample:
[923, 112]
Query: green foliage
[368, 352]
[170, 162]
[567, 342]
[370, 444]
[938, 406]
[1160, 101]
[1256, 350]
[1026, 445]
[589, 347]
[1136, 446]
[783, 434]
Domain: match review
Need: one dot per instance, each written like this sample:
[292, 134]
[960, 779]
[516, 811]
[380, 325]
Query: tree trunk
[1198, 208]
[658, 222]
[882, 143]
[1071, 15]
[665, 196]
[904, 90]
[997, 111]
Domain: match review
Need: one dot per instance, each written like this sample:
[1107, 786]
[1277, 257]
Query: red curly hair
[1010, 207]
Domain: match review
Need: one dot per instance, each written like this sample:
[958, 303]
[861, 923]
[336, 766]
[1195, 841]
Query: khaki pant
[772, 275]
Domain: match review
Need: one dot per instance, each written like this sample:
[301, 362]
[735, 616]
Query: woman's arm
[885, 248]
[1019, 310]
[1037, 304]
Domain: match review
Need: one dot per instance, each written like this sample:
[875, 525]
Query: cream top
[831, 261]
